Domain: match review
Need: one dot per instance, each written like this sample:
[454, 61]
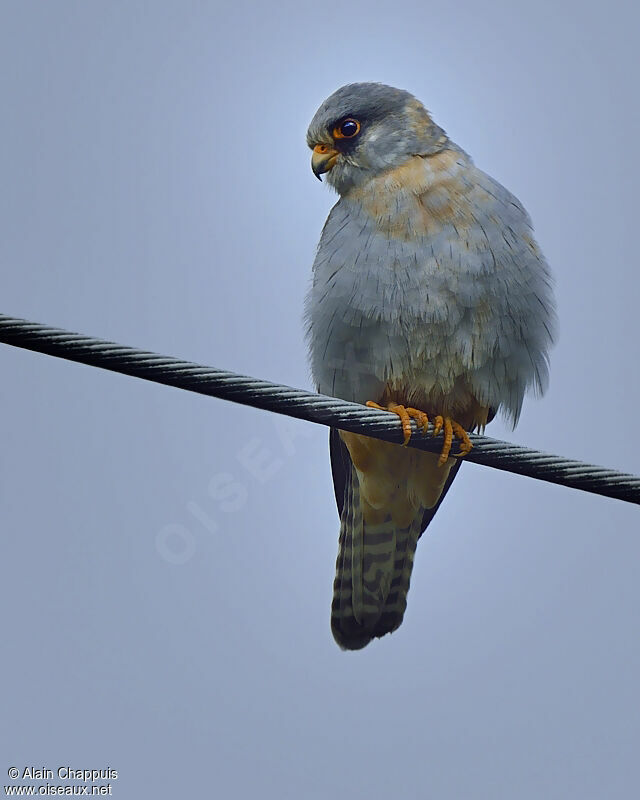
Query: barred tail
[375, 558]
[373, 572]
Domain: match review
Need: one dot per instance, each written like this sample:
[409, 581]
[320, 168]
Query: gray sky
[156, 191]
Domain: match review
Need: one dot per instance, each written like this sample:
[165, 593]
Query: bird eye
[346, 129]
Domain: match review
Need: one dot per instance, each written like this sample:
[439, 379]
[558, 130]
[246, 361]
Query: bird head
[363, 129]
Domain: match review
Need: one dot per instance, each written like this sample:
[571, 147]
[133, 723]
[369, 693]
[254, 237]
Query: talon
[465, 441]
[437, 425]
[406, 414]
[422, 420]
[451, 429]
[405, 419]
[448, 426]
[448, 439]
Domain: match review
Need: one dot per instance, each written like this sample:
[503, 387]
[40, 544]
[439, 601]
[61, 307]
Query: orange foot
[451, 428]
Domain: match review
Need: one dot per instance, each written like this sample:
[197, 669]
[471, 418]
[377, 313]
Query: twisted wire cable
[320, 409]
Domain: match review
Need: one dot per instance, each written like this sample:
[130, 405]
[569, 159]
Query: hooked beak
[323, 158]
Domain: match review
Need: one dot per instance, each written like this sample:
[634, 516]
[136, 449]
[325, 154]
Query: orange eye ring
[346, 129]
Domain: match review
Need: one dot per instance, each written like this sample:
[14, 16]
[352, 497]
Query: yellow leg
[451, 429]
[449, 426]
[406, 414]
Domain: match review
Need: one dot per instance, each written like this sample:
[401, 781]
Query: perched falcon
[430, 299]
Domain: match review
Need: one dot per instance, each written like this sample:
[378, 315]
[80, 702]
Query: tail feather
[373, 571]
[375, 558]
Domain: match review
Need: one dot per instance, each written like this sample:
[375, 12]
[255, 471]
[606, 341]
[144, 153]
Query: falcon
[430, 299]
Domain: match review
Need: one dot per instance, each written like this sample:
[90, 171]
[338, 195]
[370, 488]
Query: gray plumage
[428, 286]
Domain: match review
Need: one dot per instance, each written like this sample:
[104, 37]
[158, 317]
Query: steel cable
[316, 408]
